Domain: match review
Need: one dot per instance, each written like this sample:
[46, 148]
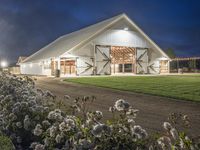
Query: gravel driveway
[153, 112]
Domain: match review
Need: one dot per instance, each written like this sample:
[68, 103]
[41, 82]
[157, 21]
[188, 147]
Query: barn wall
[34, 69]
[114, 37]
[121, 38]
[84, 59]
[87, 51]
[31, 68]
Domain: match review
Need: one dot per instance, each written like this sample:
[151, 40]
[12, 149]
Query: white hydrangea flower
[32, 102]
[167, 126]
[46, 142]
[24, 104]
[38, 130]
[139, 132]
[12, 117]
[27, 122]
[98, 115]
[132, 112]
[33, 145]
[55, 115]
[46, 123]
[52, 131]
[174, 134]
[164, 142]
[112, 109]
[122, 105]
[39, 147]
[16, 109]
[39, 108]
[58, 138]
[19, 124]
[62, 126]
[97, 130]
[70, 123]
[131, 122]
[46, 109]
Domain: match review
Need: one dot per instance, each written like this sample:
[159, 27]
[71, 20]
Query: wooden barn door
[142, 61]
[103, 61]
[164, 66]
[85, 66]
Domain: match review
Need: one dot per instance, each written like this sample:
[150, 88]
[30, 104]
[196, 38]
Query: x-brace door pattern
[142, 61]
[103, 60]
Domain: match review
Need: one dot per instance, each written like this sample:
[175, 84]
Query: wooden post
[64, 67]
[168, 66]
[177, 65]
[123, 62]
[133, 62]
[113, 58]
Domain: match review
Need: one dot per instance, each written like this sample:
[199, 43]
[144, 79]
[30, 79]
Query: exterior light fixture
[126, 29]
[4, 64]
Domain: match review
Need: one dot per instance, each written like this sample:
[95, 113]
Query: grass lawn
[185, 87]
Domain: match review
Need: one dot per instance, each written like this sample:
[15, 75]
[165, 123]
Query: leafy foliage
[6, 143]
[170, 52]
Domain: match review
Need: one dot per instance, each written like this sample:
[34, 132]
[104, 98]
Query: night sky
[28, 25]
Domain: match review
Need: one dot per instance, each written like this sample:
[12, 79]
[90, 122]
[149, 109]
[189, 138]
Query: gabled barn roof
[78, 38]
[20, 59]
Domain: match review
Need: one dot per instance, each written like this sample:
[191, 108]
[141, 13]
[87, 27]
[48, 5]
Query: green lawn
[185, 87]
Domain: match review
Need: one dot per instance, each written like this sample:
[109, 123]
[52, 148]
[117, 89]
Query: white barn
[113, 46]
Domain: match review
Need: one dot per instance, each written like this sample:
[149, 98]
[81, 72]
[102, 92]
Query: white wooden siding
[121, 38]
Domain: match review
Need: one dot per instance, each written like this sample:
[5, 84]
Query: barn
[112, 47]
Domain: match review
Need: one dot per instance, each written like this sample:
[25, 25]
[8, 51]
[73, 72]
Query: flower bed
[31, 119]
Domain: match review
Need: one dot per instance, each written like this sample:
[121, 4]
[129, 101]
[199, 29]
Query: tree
[170, 52]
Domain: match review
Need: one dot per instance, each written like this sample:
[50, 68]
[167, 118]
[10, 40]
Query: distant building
[15, 68]
[185, 65]
[113, 46]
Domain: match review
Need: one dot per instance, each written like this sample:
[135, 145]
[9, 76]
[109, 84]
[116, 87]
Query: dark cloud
[28, 25]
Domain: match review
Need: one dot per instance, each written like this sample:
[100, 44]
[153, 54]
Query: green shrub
[6, 143]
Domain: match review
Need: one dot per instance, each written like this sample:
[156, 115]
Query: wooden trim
[133, 63]
[136, 61]
[185, 58]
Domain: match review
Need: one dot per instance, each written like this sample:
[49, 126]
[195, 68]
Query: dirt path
[153, 112]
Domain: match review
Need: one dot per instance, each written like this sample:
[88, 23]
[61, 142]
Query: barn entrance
[123, 59]
[115, 59]
[67, 67]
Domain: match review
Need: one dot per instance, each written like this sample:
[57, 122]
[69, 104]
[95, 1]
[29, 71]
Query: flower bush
[34, 119]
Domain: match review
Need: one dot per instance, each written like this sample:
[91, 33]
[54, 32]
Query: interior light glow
[126, 29]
